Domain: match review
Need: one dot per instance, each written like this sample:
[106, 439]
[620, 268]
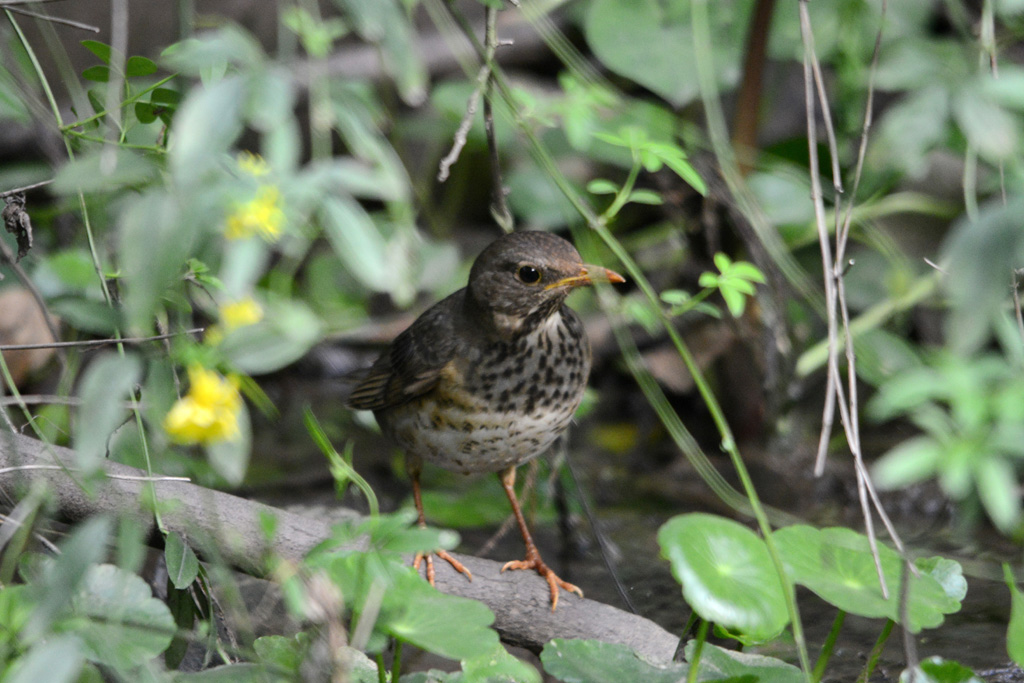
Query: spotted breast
[499, 404]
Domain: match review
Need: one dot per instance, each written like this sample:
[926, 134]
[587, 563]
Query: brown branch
[748, 98]
[519, 600]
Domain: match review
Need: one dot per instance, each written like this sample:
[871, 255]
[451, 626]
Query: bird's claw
[554, 582]
[443, 554]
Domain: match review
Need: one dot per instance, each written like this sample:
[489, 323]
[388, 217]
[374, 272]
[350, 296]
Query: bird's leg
[414, 472]
[532, 561]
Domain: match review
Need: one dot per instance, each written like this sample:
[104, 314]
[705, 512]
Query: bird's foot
[443, 554]
[534, 562]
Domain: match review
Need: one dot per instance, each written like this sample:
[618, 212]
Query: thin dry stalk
[835, 291]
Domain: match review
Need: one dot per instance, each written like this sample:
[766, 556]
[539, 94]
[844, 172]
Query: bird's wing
[414, 362]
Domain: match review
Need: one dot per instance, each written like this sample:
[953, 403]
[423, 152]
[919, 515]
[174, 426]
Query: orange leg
[532, 561]
[443, 554]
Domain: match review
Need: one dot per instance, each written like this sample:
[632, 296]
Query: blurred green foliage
[265, 197]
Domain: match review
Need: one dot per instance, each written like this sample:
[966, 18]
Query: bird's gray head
[522, 278]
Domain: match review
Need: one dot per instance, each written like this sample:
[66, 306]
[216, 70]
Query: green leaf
[245, 672]
[999, 491]
[357, 242]
[980, 252]
[72, 267]
[726, 573]
[205, 127]
[911, 129]
[939, 670]
[100, 172]
[602, 186]
[837, 564]
[281, 652]
[87, 315]
[719, 664]
[105, 387]
[126, 625]
[735, 300]
[287, 332]
[139, 66]
[229, 45]
[910, 462]
[498, 665]
[145, 112]
[647, 41]
[97, 74]
[594, 661]
[986, 125]
[59, 579]
[1015, 629]
[101, 50]
[182, 563]
[646, 197]
[58, 659]
[688, 173]
[155, 238]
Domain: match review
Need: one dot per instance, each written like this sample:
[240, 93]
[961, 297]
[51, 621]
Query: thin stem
[828, 647]
[26, 188]
[396, 661]
[99, 342]
[694, 663]
[622, 196]
[876, 652]
[499, 207]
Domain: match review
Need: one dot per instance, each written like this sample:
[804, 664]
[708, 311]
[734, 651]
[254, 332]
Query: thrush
[489, 377]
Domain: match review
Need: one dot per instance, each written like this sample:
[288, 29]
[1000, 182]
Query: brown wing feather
[413, 364]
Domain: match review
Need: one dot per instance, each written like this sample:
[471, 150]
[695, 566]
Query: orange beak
[588, 275]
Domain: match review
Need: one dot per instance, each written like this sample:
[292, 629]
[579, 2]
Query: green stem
[130, 100]
[382, 676]
[396, 662]
[876, 652]
[828, 647]
[693, 664]
[127, 145]
[622, 196]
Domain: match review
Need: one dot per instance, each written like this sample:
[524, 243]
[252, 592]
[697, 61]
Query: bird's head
[522, 278]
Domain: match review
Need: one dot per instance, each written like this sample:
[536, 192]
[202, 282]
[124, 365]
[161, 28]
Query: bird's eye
[528, 275]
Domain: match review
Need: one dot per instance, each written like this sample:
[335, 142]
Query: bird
[489, 377]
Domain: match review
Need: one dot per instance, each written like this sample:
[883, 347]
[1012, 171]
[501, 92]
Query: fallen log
[519, 600]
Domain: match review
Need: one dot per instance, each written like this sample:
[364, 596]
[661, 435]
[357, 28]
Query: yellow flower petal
[209, 412]
[261, 215]
[240, 313]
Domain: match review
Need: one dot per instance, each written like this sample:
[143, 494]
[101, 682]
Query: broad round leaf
[56, 660]
[726, 573]
[594, 661]
[837, 564]
[453, 627]
[719, 664]
[126, 625]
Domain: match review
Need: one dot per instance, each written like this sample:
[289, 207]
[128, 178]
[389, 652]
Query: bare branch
[232, 525]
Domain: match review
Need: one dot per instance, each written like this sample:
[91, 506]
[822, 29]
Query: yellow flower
[240, 313]
[261, 215]
[252, 164]
[209, 412]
